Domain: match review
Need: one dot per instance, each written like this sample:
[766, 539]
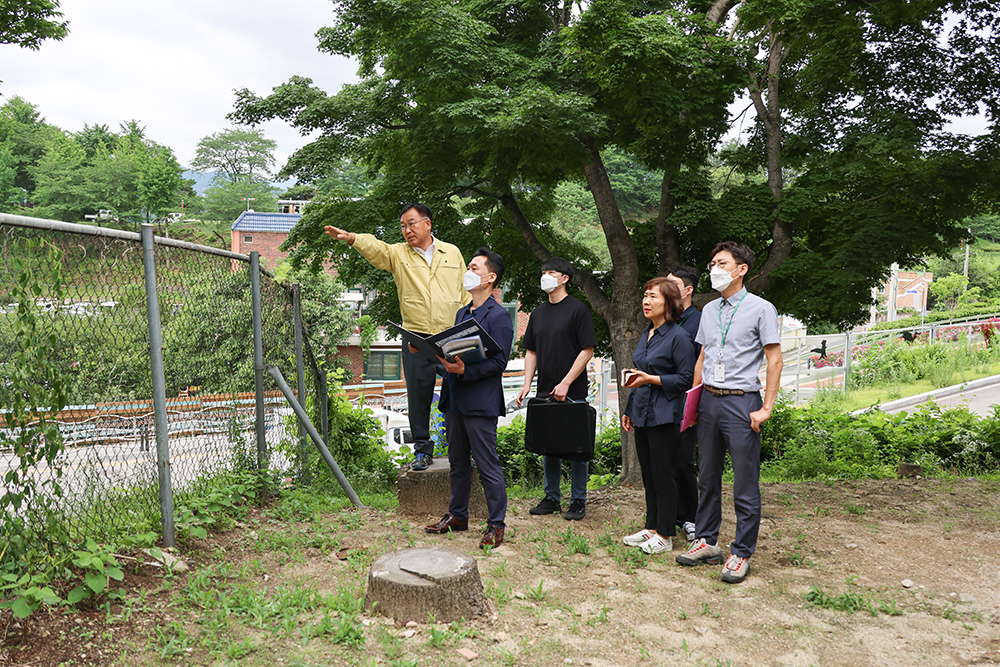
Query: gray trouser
[724, 424]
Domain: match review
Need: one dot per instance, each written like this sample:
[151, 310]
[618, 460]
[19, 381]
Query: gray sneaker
[701, 552]
[736, 569]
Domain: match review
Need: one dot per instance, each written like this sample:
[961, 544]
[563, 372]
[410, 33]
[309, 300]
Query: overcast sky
[172, 66]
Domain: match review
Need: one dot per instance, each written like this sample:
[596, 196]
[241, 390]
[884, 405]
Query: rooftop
[252, 221]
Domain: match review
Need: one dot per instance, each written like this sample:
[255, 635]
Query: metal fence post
[300, 374]
[324, 406]
[258, 369]
[847, 359]
[798, 368]
[159, 388]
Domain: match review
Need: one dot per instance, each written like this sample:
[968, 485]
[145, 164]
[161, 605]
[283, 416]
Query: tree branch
[582, 277]
[666, 234]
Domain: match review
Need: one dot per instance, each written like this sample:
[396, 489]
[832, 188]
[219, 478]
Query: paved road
[980, 400]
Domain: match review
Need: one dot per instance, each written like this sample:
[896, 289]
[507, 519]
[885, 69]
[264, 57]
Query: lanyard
[725, 333]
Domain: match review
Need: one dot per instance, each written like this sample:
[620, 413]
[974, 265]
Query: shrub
[522, 467]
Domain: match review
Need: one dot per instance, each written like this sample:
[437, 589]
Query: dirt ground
[921, 553]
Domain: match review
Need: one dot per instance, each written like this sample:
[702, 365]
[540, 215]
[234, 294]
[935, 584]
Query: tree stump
[428, 492]
[413, 584]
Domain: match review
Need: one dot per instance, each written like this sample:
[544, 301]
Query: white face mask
[471, 281]
[721, 279]
[548, 283]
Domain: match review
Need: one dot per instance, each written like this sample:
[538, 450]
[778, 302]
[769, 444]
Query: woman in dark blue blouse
[664, 367]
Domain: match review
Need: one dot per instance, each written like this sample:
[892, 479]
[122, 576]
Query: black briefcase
[564, 429]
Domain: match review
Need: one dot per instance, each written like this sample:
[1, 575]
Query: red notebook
[691, 399]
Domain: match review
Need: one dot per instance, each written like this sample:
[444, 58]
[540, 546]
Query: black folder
[431, 345]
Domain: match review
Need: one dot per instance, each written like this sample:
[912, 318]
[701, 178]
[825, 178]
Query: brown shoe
[492, 538]
[447, 523]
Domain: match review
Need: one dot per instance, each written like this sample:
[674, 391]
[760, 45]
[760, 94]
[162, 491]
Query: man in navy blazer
[471, 400]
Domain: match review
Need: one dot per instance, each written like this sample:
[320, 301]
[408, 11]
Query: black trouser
[421, 374]
[686, 477]
[656, 448]
[476, 436]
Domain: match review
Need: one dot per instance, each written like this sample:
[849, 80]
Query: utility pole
[248, 200]
[890, 305]
[965, 269]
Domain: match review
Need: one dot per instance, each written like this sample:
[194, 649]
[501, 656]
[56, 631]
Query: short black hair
[740, 252]
[423, 210]
[494, 262]
[558, 264]
[687, 274]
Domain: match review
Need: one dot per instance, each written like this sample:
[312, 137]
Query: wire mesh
[97, 316]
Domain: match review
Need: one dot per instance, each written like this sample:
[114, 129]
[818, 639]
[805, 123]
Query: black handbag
[564, 429]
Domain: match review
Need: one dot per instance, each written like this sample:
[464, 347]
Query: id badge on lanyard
[720, 372]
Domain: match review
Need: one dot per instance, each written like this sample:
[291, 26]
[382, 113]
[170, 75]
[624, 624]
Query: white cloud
[172, 66]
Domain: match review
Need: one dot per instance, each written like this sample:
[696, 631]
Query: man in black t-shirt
[560, 342]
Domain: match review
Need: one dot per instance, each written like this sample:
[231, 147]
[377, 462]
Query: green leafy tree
[10, 194]
[235, 154]
[327, 322]
[29, 22]
[225, 201]
[27, 136]
[499, 103]
[63, 190]
[948, 290]
[159, 183]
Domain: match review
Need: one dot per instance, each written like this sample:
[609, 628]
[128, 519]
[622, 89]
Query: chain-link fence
[90, 307]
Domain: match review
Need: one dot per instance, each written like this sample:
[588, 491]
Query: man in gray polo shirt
[736, 333]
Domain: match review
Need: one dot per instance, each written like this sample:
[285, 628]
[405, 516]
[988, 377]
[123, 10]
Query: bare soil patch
[557, 604]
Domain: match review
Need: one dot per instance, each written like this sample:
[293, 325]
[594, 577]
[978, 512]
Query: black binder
[430, 347]
[565, 429]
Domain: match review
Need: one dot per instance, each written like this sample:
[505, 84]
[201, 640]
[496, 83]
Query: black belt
[715, 391]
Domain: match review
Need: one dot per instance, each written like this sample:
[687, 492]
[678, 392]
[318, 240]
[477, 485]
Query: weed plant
[821, 442]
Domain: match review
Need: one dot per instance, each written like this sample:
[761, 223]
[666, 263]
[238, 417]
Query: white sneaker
[657, 545]
[689, 531]
[635, 539]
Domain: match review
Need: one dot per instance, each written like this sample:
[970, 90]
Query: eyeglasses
[721, 264]
[410, 225]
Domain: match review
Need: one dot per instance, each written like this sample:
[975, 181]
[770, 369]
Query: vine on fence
[33, 389]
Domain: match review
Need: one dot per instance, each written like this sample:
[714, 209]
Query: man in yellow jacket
[428, 274]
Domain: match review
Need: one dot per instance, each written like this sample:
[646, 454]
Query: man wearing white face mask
[428, 275]
[736, 333]
[471, 400]
[560, 342]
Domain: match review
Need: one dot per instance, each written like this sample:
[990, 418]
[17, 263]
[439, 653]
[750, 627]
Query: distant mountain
[202, 181]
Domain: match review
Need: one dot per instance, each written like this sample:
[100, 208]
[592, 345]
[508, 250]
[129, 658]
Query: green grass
[856, 399]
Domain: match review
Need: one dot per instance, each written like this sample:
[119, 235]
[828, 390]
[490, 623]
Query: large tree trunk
[769, 113]
[624, 312]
